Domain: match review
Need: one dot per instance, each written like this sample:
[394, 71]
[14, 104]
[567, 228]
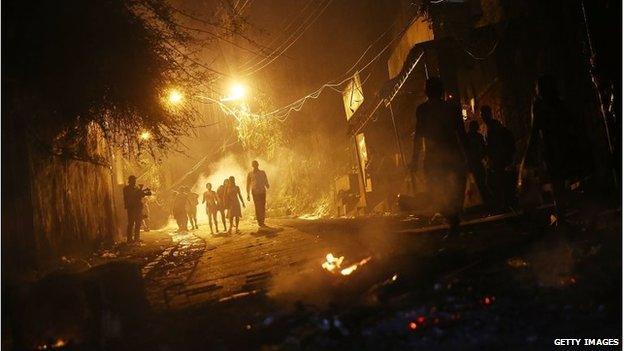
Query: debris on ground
[517, 262]
[108, 254]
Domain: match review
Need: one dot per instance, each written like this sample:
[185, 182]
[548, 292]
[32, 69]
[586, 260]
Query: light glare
[175, 97]
[145, 135]
[237, 92]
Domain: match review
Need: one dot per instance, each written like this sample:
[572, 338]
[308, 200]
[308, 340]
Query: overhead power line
[192, 60]
[283, 112]
[285, 29]
[218, 37]
[263, 49]
[242, 7]
[309, 22]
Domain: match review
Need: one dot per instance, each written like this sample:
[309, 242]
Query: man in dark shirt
[440, 134]
[257, 184]
[551, 147]
[476, 154]
[500, 150]
[134, 208]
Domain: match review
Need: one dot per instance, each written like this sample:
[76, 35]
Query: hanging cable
[286, 29]
[220, 26]
[254, 69]
[283, 112]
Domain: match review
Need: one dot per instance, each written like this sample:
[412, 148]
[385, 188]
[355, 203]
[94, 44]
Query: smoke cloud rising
[225, 167]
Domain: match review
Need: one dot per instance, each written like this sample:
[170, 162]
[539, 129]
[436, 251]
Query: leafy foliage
[72, 64]
[259, 134]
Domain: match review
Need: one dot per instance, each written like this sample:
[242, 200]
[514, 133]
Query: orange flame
[332, 264]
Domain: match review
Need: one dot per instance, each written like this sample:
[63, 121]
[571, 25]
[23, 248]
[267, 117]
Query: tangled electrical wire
[281, 114]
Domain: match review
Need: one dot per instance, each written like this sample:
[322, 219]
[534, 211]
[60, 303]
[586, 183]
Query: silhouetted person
[440, 129]
[222, 203]
[500, 150]
[233, 195]
[382, 167]
[191, 208]
[549, 148]
[180, 202]
[475, 151]
[258, 184]
[210, 199]
[133, 204]
[145, 214]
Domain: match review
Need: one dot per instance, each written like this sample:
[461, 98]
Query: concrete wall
[60, 206]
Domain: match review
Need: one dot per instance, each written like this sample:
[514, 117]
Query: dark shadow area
[492, 283]
[221, 235]
[267, 231]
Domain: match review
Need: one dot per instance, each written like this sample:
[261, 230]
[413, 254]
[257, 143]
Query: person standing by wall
[440, 134]
[500, 150]
[257, 184]
[133, 204]
[550, 149]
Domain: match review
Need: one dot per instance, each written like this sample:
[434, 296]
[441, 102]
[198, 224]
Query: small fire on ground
[333, 264]
[56, 345]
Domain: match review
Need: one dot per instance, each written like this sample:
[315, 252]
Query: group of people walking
[224, 202]
[184, 208]
[451, 152]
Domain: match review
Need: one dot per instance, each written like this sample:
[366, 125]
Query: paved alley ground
[505, 277]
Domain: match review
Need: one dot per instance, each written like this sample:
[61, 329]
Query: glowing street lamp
[145, 135]
[237, 92]
[236, 95]
[175, 97]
